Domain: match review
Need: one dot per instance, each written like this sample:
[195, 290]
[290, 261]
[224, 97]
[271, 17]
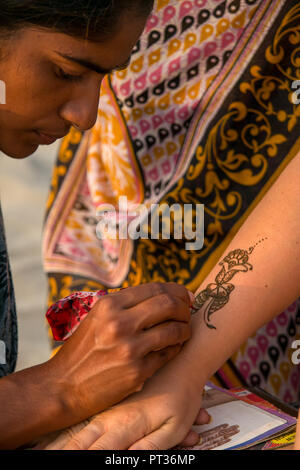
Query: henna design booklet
[240, 420]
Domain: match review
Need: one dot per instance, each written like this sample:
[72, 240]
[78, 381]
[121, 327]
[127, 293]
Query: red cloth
[66, 315]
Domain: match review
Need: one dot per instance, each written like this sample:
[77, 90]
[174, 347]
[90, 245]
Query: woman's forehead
[102, 57]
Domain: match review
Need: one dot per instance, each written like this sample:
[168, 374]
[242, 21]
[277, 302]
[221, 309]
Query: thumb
[192, 437]
[203, 417]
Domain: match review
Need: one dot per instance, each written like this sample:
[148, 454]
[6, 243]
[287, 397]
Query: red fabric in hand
[65, 316]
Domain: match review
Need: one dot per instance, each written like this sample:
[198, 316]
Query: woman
[54, 56]
[204, 114]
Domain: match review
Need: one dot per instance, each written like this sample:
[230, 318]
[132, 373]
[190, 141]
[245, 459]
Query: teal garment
[8, 316]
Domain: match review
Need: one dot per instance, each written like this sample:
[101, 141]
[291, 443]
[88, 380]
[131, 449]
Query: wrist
[192, 360]
[185, 371]
[63, 396]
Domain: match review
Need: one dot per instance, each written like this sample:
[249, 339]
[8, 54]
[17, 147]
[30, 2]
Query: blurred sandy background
[24, 188]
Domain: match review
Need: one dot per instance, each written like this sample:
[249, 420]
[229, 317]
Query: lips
[48, 139]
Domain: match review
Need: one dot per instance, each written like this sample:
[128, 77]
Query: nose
[81, 109]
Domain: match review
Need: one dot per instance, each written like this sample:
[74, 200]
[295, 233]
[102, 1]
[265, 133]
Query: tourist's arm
[166, 408]
[125, 338]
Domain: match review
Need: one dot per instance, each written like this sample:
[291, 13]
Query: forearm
[109, 356]
[30, 406]
[258, 295]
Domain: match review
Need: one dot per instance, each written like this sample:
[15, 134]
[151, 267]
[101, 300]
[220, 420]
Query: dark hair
[94, 20]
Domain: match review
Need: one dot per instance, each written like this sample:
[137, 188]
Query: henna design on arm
[216, 295]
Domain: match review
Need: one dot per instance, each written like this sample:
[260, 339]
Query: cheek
[34, 93]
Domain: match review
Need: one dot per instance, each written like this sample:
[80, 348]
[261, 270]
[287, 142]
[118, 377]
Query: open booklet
[240, 419]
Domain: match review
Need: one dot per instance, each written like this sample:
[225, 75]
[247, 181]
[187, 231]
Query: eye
[60, 73]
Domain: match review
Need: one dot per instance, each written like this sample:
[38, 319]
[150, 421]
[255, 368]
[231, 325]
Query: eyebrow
[94, 67]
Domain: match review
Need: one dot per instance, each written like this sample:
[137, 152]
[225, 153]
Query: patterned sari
[203, 114]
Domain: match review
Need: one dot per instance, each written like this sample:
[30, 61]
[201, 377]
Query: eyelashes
[60, 73]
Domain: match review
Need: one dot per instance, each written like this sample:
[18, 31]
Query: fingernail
[192, 297]
[140, 387]
[200, 441]
[210, 418]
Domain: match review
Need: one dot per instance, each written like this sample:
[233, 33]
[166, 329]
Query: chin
[19, 152]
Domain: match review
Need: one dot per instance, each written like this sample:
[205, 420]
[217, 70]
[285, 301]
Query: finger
[192, 439]
[133, 296]
[59, 442]
[112, 441]
[203, 418]
[63, 437]
[86, 437]
[160, 309]
[121, 437]
[161, 439]
[162, 336]
[45, 441]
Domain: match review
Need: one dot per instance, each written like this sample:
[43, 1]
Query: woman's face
[53, 81]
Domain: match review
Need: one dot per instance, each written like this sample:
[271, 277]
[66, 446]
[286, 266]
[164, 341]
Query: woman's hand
[158, 417]
[123, 341]
[86, 434]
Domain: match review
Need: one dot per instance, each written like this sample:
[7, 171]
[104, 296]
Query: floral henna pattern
[216, 295]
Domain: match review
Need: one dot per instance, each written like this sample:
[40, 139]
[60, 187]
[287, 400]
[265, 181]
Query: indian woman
[54, 56]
